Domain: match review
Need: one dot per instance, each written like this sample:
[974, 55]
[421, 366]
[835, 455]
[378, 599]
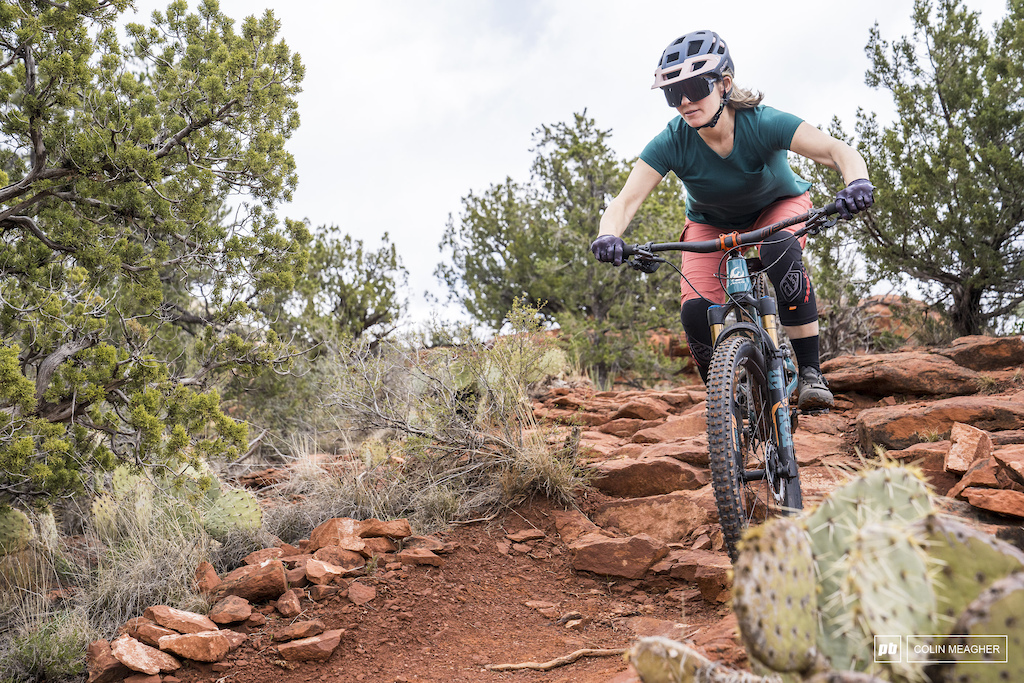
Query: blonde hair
[741, 98]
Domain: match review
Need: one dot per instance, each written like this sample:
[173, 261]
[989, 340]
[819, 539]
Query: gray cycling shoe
[812, 391]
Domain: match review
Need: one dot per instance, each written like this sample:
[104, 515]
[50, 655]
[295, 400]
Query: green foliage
[49, 649]
[532, 242]
[128, 290]
[949, 172]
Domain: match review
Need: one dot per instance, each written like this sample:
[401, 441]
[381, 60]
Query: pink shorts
[703, 274]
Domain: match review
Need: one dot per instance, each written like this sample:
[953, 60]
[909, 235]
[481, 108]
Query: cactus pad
[774, 596]
[660, 660]
[969, 562]
[232, 510]
[996, 612]
[15, 531]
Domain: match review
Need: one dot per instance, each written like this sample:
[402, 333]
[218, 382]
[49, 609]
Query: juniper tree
[950, 169]
[137, 232]
[531, 242]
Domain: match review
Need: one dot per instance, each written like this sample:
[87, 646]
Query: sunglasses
[693, 89]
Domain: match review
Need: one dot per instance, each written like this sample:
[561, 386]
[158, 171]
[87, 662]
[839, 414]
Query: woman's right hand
[608, 248]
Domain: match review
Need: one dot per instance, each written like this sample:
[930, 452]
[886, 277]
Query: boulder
[967, 445]
[323, 573]
[209, 646]
[899, 373]
[315, 648]
[629, 558]
[376, 528]
[419, 556]
[301, 629]
[341, 557]
[147, 632]
[1001, 501]
[102, 665]
[206, 577]
[644, 408]
[179, 620]
[289, 605]
[1012, 460]
[646, 476]
[255, 583]
[900, 426]
[693, 451]
[141, 657]
[693, 423]
[342, 532]
[980, 352]
[668, 518]
[230, 610]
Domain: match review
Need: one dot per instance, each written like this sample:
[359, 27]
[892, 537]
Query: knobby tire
[740, 438]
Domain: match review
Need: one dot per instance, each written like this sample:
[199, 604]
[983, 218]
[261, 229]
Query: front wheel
[749, 486]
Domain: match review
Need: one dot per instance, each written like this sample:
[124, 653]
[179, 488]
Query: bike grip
[628, 249]
[831, 209]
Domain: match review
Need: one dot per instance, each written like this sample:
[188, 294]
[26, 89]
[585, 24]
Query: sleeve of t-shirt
[777, 128]
[657, 152]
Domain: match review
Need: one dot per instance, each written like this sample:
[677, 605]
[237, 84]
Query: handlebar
[815, 219]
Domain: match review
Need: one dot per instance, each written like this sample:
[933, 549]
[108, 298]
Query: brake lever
[820, 222]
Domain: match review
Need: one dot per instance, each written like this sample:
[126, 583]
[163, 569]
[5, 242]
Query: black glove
[857, 196]
[608, 248]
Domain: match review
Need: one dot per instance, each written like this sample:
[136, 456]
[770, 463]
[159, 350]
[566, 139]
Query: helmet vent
[693, 48]
[672, 57]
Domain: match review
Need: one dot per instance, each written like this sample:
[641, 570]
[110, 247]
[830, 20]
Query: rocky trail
[642, 555]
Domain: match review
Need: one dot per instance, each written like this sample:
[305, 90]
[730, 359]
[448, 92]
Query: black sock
[807, 352]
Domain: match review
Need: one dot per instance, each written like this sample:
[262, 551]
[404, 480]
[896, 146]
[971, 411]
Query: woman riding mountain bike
[730, 152]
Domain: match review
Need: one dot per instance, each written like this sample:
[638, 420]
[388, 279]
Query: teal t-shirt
[730, 192]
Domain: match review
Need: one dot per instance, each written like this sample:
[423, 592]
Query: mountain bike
[754, 469]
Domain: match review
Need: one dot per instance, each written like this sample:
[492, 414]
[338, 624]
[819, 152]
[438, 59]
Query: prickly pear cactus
[996, 612]
[885, 495]
[886, 589]
[232, 510]
[15, 531]
[774, 596]
[968, 560]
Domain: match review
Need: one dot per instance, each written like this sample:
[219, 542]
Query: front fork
[777, 362]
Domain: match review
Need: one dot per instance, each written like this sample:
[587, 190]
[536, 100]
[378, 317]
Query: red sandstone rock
[323, 573]
[629, 558]
[179, 620]
[967, 445]
[644, 408]
[986, 353]
[260, 556]
[395, 528]
[1012, 459]
[360, 593]
[301, 629]
[340, 531]
[290, 604]
[230, 610]
[208, 646]
[419, 556]
[899, 373]
[691, 424]
[316, 648]
[255, 583]
[668, 518]
[150, 633]
[102, 665]
[141, 657]
[206, 577]
[1003, 502]
[572, 524]
[341, 557]
[526, 535]
[635, 477]
[901, 426]
[378, 546]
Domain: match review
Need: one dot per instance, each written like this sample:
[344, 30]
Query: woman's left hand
[857, 196]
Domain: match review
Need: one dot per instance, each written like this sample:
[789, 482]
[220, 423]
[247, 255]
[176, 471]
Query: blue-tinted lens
[693, 89]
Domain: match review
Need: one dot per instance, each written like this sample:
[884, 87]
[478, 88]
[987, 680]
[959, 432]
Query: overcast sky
[408, 105]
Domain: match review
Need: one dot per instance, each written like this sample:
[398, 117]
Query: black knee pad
[783, 258]
[694, 316]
